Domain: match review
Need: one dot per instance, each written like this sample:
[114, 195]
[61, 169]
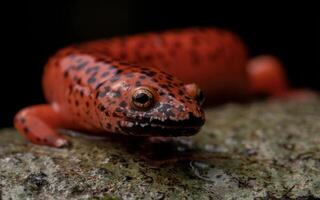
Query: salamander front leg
[39, 124]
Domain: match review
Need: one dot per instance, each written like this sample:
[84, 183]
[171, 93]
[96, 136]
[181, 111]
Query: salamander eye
[142, 98]
[200, 97]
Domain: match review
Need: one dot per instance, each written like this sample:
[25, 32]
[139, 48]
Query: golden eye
[142, 97]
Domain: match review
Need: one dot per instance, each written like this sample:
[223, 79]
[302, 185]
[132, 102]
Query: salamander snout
[153, 114]
[153, 103]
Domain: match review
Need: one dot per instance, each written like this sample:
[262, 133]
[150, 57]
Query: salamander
[145, 85]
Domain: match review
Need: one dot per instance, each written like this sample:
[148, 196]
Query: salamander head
[148, 102]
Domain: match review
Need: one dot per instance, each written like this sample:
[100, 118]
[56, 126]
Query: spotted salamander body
[144, 85]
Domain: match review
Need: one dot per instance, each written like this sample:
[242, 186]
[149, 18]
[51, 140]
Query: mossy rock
[266, 150]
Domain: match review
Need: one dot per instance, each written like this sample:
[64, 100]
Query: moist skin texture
[91, 86]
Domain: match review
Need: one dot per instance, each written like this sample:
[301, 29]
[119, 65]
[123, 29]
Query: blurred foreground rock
[267, 150]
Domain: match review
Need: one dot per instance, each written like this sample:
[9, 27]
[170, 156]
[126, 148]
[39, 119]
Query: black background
[35, 30]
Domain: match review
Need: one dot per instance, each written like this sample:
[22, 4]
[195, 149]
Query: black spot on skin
[75, 78]
[79, 81]
[66, 74]
[170, 78]
[112, 67]
[114, 79]
[115, 114]
[142, 77]
[149, 73]
[117, 94]
[125, 112]
[99, 85]
[87, 104]
[161, 93]
[101, 94]
[81, 93]
[119, 110]
[76, 103]
[78, 60]
[129, 75]
[81, 65]
[103, 60]
[22, 120]
[107, 88]
[106, 114]
[94, 69]
[123, 104]
[135, 65]
[154, 80]
[91, 80]
[180, 92]
[164, 86]
[145, 69]
[119, 71]
[105, 74]
[138, 83]
[170, 85]
[180, 108]
[109, 126]
[25, 130]
[157, 104]
[171, 94]
[56, 63]
[101, 107]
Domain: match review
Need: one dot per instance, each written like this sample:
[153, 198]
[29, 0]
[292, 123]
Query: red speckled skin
[214, 59]
[89, 86]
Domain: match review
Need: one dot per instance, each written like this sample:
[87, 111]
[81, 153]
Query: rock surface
[267, 150]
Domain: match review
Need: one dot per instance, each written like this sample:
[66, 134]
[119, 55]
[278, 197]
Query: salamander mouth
[167, 128]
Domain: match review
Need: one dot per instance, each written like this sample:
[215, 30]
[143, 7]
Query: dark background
[35, 30]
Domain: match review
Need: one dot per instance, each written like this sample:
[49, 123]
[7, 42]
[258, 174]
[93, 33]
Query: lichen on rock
[260, 150]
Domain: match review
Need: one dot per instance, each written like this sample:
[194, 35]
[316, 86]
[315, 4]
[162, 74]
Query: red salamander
[145, 85]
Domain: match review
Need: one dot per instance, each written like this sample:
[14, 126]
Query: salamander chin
[165, 128]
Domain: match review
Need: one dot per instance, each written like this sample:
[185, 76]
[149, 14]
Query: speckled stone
[266, 150]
